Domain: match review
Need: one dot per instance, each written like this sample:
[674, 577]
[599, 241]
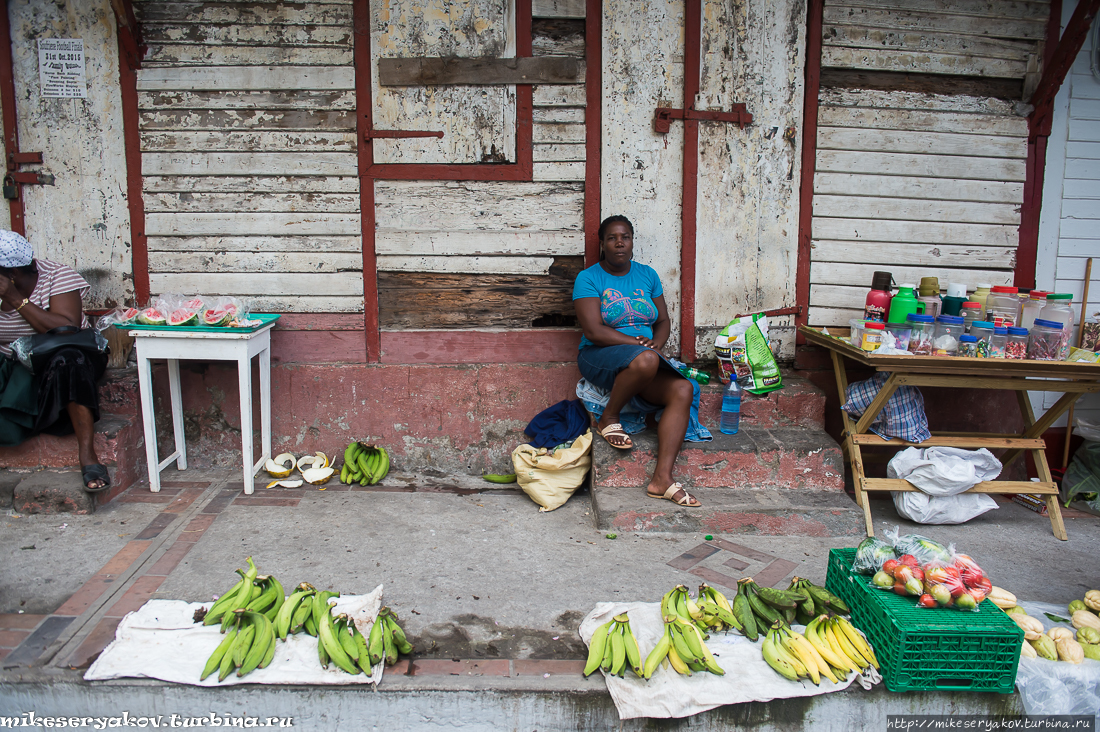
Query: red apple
[899, 588]
[889, 565]
[909, 560]
[903, 573]
[927, 601]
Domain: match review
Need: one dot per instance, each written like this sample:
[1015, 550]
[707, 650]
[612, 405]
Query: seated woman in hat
[37, 295]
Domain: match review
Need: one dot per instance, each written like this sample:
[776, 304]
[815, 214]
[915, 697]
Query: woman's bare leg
[84, 426]
[676, 394]
[637, 376]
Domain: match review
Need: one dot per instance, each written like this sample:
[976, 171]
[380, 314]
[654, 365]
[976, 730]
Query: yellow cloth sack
[550, 478]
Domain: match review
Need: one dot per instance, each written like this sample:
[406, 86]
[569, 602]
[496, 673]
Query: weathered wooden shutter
[919, 175]
[249, 153]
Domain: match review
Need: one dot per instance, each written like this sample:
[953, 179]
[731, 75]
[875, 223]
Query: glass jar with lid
[922, 329]
[1059, 309]
[1003, 307]
[968, 346]
[1044, 342]
[1016, 344]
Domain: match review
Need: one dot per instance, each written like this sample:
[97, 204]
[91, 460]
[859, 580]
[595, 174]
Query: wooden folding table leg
[851, 450]
[1038, 427]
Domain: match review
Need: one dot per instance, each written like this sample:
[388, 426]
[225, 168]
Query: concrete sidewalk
[476, 573]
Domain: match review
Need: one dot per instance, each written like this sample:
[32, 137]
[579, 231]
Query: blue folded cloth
[564, 422]
[632, 416]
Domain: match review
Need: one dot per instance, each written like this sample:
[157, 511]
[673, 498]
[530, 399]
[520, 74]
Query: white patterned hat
[15, 250]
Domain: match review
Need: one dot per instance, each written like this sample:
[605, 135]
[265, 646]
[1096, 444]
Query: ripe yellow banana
[775, 660]
[801, 651]
[846, 646]
[618, 650]
[809, 650]
[825, 630]
[633, 653]
[674, 659]
[858, 641]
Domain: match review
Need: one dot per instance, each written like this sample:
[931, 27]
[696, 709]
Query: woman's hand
[647, 342]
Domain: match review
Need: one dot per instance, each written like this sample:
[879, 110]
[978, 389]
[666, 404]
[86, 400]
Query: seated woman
[36, 296]
[621, 308]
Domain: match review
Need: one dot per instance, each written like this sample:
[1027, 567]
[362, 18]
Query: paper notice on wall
[61, 68]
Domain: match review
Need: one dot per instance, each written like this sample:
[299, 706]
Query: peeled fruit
[183, 317]
[280, 466]
[1075, 606]
[296, 483]
[1087, 636]
[1027, 651]
[317, 476]
[305, 462]
[1085, 619]
[1045, 647]
[1058, 633]
[1001, 598]
[1069, 650]
[1092, 600]
[1032, 628]
[151, 316]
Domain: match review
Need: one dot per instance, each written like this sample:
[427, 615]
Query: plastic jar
[983, 331]
[997, 343]
[872, 336]
[1003, 307]
[923, 328]
[980, 296]
[971, 311]
[1029, 310]
[946, 339]
[968, 346]
[1059, 309]
[1044, 343]
[857, 332]
[1016, 344]
[901, 332]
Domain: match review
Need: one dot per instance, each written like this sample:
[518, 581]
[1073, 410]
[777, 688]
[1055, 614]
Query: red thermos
[878, 299]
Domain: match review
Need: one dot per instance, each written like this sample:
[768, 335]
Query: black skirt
[71, 375]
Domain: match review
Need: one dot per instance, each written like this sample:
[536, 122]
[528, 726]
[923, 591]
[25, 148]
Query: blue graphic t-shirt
[626, 303]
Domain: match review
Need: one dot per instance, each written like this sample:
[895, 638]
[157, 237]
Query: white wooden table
[229, 345]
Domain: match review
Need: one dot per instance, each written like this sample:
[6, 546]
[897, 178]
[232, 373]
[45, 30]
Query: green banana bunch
[613, 647]
[770, 604]
[249, 644]
[683, 647]
[270, 599]
[819, 601]
[717, 611]
[364, 464]
[285, 617]
[385, 642]
[258, 592]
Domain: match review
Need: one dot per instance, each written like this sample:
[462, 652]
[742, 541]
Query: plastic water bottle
[731, 407]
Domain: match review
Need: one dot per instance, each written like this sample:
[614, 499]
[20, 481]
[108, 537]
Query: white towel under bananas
[670, 695]
[165, 629]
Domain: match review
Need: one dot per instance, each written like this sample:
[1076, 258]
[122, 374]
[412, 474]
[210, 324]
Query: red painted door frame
[814, 15]
[11, 129]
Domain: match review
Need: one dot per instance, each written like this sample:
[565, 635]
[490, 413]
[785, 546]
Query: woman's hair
[616, 219]
[27, 269]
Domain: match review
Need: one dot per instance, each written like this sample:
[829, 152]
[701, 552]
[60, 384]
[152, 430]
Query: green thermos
[904, 304]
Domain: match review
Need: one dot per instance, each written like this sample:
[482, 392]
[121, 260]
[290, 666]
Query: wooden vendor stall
[1070, 378]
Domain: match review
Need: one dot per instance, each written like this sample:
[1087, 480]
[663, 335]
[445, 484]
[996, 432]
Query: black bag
[34, 351]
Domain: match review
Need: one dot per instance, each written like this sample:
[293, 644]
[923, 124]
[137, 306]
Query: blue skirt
[600, 365]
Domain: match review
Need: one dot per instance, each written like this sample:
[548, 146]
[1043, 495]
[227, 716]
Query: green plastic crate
[926, 648]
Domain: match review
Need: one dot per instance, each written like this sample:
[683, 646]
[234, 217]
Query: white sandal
[687, 500]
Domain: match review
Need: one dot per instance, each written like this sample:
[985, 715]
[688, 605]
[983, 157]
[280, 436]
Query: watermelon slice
[151, 316]
[129, 315]
[194, 303]
[183, 317]
[216, 316]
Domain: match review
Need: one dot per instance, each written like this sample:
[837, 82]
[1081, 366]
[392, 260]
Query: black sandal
[95, 472]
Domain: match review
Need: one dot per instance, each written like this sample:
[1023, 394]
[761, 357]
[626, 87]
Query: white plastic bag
[943, 471]
[925, 509]
[941, 474]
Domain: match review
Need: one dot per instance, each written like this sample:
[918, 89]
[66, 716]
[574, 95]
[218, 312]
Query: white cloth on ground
[162, 641]
[669, 695]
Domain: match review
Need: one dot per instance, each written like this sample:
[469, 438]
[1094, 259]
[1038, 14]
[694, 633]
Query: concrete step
[780, 481]
[799, 403]
[119, 443]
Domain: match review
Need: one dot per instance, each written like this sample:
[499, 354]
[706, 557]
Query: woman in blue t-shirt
[621, 308]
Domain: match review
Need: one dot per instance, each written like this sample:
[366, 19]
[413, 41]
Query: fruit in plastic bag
[966, 601]
[924, 549]
[883, 580]
[942, 595]
[870, 555]
[927, 601]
